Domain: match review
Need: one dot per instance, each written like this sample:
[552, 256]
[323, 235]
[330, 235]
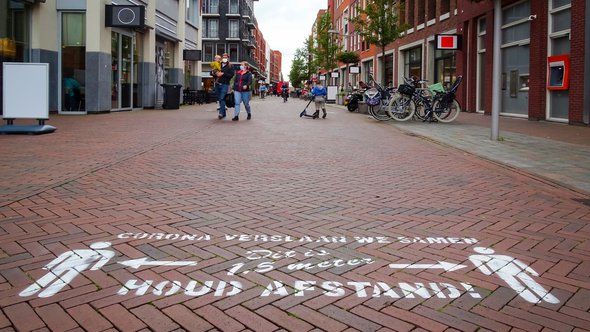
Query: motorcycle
[351, 100]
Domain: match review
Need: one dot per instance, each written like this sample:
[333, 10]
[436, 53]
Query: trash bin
[171, 96]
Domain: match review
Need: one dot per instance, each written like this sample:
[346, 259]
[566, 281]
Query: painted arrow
[441, 265]
[136, 263]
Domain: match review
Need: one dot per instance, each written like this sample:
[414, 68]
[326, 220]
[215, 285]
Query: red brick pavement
[237, 198]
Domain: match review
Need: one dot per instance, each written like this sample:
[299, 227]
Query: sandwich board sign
[25, 93]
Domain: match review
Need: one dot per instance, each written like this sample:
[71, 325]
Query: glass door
[72, 90]
[122, 71]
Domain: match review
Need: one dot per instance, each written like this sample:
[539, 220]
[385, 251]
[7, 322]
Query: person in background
[263, 90]
[242, 93]
[71, 91]
[215, 68]
[285, 91]
[319, 94]
[222, 85]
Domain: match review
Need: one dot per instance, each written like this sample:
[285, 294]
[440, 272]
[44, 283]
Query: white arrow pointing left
[136, 263]
[441, 265]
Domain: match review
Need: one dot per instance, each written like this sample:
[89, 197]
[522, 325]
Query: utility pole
[497, 74]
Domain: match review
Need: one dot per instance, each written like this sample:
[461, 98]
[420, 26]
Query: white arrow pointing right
[441, 265]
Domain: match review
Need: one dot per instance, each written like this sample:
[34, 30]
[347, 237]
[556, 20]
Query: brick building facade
[532, 30]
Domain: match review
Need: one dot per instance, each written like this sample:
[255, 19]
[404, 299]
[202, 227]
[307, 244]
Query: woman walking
[242, 83]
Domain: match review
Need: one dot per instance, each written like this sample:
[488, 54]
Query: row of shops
[118, 57]
[545, 70]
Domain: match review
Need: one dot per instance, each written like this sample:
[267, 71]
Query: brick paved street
[171, 220]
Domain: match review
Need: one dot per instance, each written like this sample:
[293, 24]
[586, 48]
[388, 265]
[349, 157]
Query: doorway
[122, 71]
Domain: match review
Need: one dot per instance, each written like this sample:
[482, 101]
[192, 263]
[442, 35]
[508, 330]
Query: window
[559, 42]
[234, 29]
[210, 6]
[233, 52]
[208, 52]
[192, 11]
[211, 28]
[444, 67]
[220, 48]
[515, 58]
[413, 62]
[410, 10]
[234, 7]
[481, 63]
[431, 9]
[445, 6]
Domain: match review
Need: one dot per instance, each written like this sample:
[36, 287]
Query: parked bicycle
[436, 105]
[378, 99]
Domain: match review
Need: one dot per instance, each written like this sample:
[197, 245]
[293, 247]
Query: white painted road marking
[441, 265]
[136, 263]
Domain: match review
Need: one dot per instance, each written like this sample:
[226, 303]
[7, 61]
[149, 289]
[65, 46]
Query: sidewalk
[558, 153]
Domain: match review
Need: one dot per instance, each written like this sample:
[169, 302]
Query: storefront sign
[448, 42]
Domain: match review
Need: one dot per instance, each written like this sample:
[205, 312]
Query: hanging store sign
[448, 42]
[124, 16]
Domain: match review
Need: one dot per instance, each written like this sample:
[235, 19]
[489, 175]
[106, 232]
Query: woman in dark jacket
[242, 83]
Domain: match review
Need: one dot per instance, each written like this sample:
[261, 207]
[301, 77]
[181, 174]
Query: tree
[303, 65]
[298, 69]
[378, 24]
[325, 50]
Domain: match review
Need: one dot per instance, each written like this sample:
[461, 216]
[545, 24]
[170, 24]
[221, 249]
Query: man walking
[222, 85]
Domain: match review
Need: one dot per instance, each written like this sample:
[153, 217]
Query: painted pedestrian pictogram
[67, 266]
[514, 272]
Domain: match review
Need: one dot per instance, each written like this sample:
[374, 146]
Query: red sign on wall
[448, 42]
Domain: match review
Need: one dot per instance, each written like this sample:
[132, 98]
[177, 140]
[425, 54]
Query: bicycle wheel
[401, 108]
[446, 112]
[379, 112]
[420, 107]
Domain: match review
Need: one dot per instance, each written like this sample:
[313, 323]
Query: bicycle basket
[373, 97]
[406, 89]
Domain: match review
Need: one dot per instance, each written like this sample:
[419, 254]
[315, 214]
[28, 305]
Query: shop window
[73, 61]
[444, 64]
[413, 62]
[515, 58]
[559, 37]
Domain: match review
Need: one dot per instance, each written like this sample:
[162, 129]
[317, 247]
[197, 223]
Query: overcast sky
[286, 24]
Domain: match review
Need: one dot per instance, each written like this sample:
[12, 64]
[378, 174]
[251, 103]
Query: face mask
[242, 68]
[224, 60]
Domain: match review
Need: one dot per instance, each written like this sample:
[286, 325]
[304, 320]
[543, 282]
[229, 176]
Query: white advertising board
[332, 90]
[25, 90]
